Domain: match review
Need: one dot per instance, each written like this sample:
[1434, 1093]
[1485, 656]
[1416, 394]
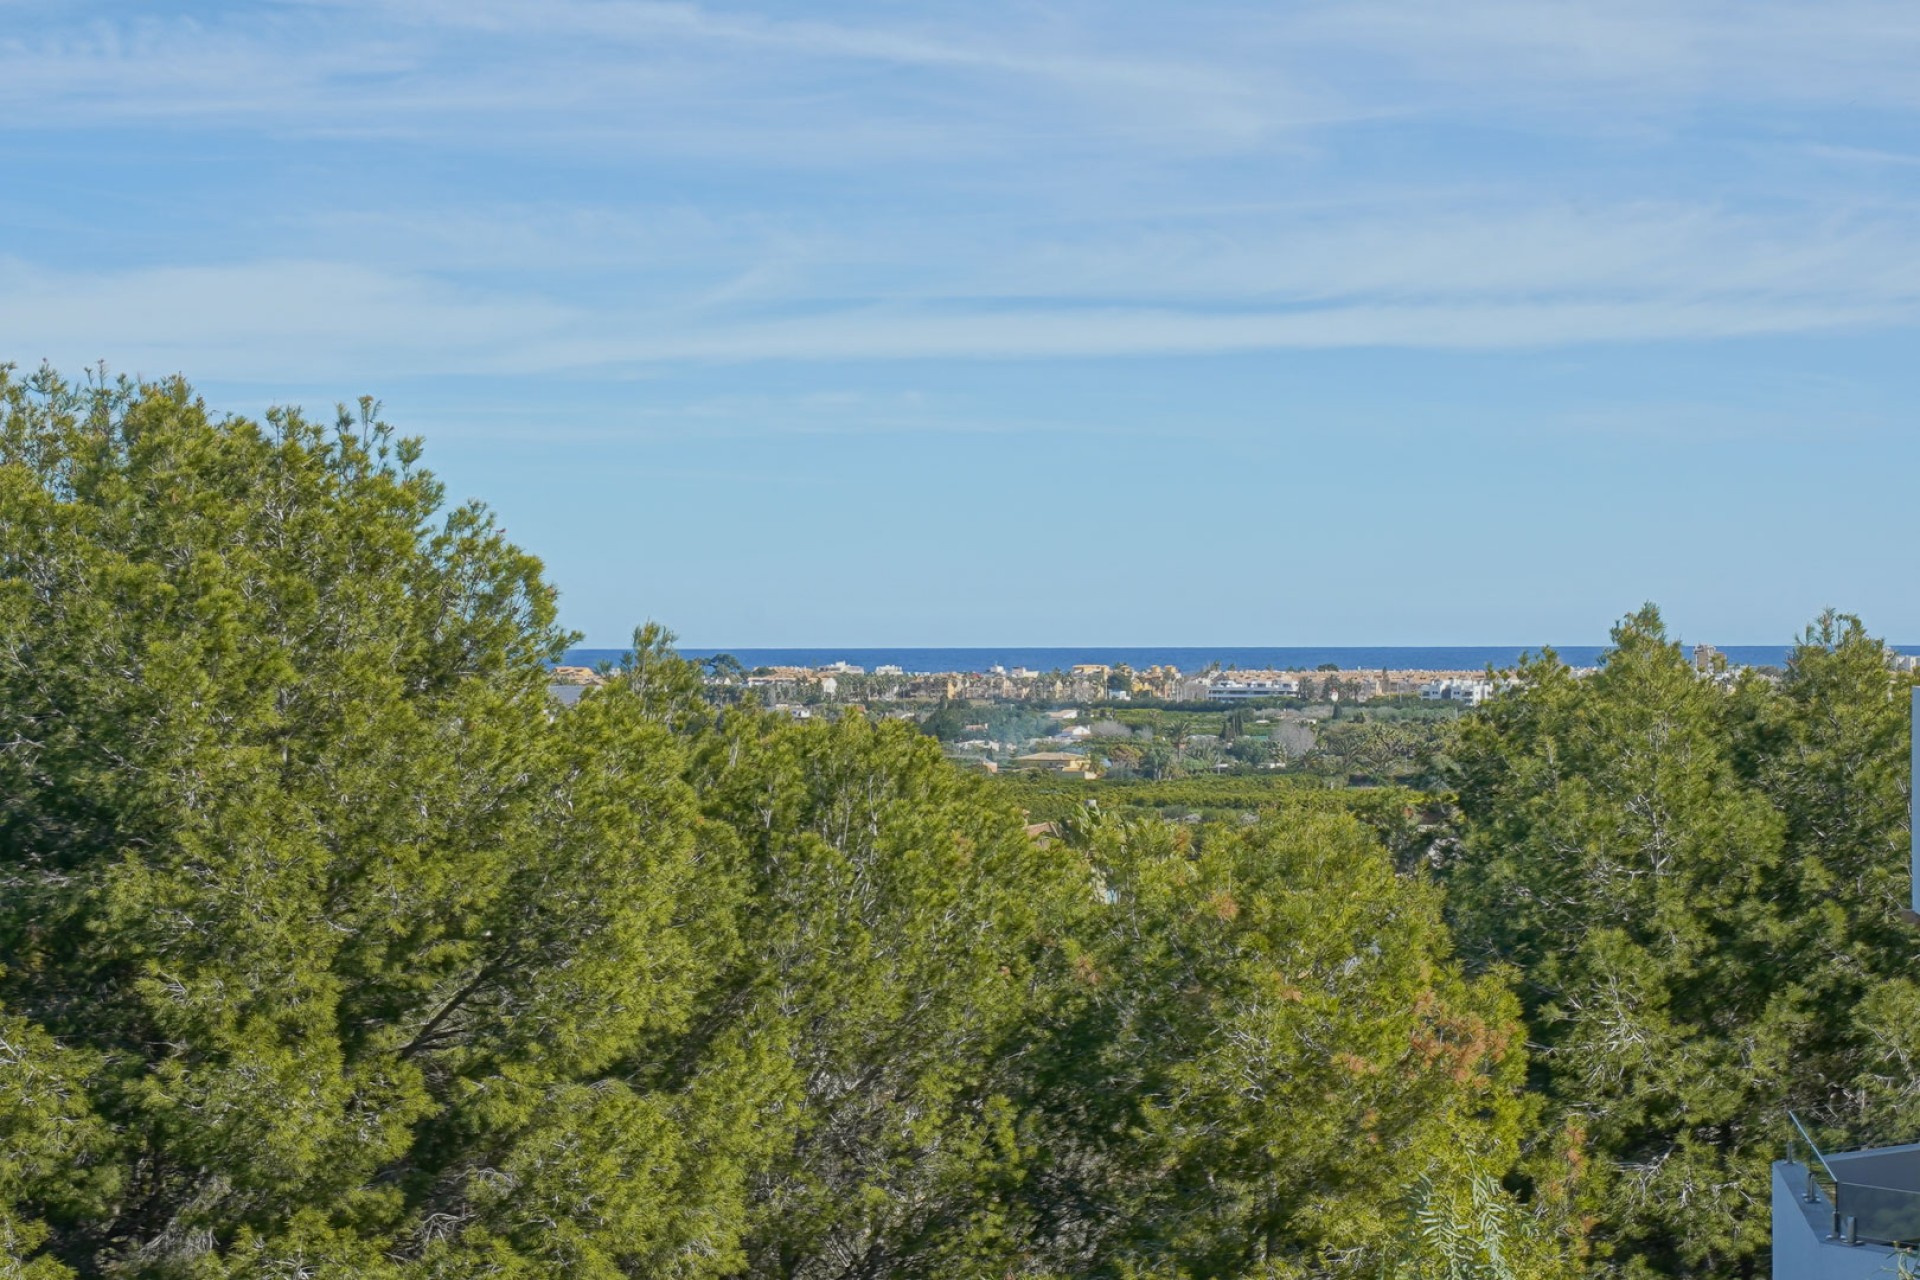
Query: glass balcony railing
[1874, 1194]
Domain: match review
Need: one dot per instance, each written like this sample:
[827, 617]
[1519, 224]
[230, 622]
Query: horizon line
[853, 647]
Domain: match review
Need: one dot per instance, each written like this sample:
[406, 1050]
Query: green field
[1397, 814]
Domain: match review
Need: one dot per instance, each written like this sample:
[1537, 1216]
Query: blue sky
[1368, 321]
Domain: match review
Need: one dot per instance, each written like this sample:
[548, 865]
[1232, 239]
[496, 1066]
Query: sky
[867, 323]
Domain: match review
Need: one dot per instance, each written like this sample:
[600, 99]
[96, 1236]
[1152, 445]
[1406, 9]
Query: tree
[904, 925]
[342, 928]
[1254, 750]
[49, 1137]
[1700, 886]
[1474, 1230]
[1828, 746]
[334, 948]
[1159, 759]
[948, 721]
[725, 668]
[1267, 1046]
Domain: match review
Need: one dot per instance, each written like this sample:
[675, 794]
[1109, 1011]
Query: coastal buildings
[1089, 683]
[1240, 686]
[1469, 692]
[1080, 684]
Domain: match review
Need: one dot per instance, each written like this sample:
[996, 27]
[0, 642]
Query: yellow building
[1056, 762]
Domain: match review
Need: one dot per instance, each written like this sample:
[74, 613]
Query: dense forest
[332, 948]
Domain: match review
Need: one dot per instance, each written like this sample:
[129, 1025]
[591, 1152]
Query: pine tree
[334, 948]
[1700, 881]
[346, 926]
[1269, 1047]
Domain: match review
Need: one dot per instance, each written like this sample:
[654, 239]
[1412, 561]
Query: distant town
[1105, 720]
[844, 683]
[1094, 719]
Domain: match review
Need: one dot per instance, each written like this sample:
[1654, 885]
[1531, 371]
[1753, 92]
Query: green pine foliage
[1472, 1230]
[353, 933]
[1271, 1048]
[1700, 881]
[331, 947]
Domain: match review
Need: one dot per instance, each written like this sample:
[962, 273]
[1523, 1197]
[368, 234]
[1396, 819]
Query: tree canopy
[1699, 879]
[331, 947]
[334, 948]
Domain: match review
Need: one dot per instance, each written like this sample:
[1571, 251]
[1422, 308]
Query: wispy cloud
[268, 319]
[650, 75]
[883, 334]
[642, 25]
[797, 417]
[618, 183]
[1527, 278]
[1743, 51]
[1865, 156]
[1222, 76]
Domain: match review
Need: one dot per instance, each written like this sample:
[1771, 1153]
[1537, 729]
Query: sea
[1190, 658]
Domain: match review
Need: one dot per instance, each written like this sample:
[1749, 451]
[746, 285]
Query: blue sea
[1247, 657]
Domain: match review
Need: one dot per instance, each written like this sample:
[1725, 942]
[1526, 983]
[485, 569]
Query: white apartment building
[1471, 692]
[1238, 688]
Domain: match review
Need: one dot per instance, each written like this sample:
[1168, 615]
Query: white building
[1238, 688]
[1471, 692]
